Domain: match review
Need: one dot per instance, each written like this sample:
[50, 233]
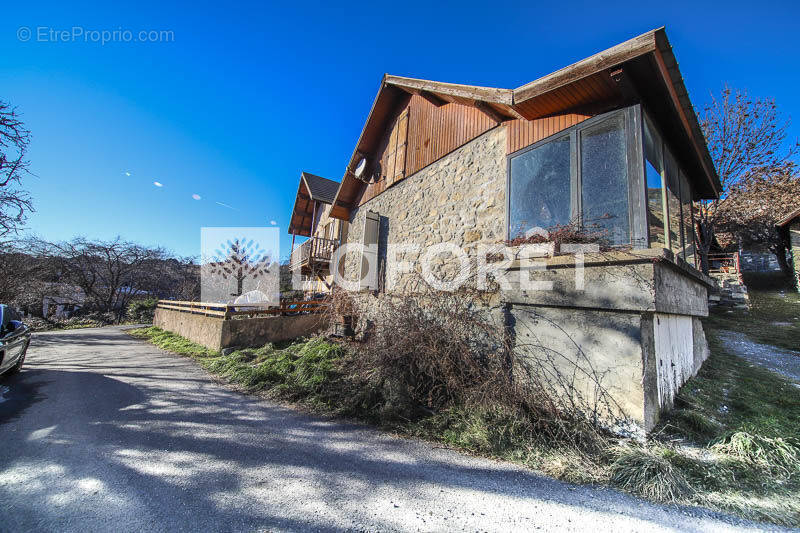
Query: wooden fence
[724, 263]
[228, 311]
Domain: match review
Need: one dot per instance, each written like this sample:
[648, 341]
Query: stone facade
[459, 199]
[633, 329]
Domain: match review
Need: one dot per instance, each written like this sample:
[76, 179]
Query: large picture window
[604, 180]
[540, 188]
[616, 174]
[580, 175]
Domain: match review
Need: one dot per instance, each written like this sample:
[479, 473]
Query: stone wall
[204, 330]
[459, 199]
[258, 331]
[730, 291]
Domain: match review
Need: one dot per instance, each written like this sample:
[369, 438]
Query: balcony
[314, 256]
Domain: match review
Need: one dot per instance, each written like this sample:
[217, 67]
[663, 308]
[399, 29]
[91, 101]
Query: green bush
[142, 310]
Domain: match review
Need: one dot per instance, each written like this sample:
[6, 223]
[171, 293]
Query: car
[14, 339]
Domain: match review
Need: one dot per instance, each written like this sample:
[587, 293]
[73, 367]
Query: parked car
[14, 339]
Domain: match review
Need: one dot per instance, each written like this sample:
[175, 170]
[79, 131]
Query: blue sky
[247, 96]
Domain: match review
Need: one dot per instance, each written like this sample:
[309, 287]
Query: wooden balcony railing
[228, 311]
[315, 250]
[724, 263]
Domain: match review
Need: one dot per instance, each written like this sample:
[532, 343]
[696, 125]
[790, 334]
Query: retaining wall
[216, 333]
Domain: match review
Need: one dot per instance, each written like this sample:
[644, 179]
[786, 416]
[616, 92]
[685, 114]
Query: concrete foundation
[623, 344]
[215, 333]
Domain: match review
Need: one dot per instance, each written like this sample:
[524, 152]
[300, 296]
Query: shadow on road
[149, 434]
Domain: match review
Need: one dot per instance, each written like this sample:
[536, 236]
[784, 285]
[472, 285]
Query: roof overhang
[789, 219]
[304, 204]
[641, 69]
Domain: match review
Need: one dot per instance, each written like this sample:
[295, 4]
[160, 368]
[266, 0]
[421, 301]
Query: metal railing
[228, 311]
[724, 263]
[315, 249]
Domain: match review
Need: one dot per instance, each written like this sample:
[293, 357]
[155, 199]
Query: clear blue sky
[247, 96]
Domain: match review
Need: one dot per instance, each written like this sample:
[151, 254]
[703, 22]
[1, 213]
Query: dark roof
[786, 221]
[319, 188]
[310, 190]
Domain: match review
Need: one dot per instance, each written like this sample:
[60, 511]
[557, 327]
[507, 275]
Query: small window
[540, 188]
[604, 180]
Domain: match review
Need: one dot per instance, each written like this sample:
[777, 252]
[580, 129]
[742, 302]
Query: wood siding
[433, 132]
[522, 133]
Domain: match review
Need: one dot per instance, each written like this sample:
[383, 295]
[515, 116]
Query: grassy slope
[728, 446]
[739, 428]
[774, 318]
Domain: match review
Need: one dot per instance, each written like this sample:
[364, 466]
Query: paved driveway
[103, 432]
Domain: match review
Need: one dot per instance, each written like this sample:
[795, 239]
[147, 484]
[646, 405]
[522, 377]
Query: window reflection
[604, 180]
[540, 188]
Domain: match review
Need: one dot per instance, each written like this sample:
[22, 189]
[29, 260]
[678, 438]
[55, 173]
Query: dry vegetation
[436, 366]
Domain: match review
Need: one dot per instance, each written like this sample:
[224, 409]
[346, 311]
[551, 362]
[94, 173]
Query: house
[609, 143]
[61, 300]
[311, 217]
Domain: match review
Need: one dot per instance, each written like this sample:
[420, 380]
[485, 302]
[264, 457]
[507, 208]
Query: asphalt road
[101, 432]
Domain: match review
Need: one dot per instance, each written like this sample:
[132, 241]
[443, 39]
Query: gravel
[784, 362]
[103, 432]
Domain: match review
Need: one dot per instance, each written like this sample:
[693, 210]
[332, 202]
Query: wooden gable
[419, 133]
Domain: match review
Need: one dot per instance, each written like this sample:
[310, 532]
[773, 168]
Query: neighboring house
[791, 225]
[611, 141]
[61, 300]
[311, 217]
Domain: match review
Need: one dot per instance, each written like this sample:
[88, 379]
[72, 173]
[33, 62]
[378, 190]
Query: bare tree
[110, 273]
[14, 140]
[756, 204]
[746, 137]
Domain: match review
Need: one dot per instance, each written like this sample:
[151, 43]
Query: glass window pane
[540, 188]
[655, 199]
[604, 180]
[688, 223]
[673, 203]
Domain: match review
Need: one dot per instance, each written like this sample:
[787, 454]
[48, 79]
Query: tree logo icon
[240, 259]
[239, 265]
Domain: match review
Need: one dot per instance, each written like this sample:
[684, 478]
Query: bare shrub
[575, 232]
[431, 351]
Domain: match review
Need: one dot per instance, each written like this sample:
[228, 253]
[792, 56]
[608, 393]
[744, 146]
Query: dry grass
[438, 369]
